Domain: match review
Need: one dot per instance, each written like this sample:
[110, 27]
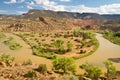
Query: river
[106, 51]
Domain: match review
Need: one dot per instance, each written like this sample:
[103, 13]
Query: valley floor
[106, 51]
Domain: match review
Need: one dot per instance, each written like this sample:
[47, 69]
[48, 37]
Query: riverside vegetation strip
[114, 37]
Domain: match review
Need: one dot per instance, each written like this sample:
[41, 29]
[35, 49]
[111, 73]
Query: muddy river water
[106, 51]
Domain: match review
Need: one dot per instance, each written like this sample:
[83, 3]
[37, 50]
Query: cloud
[14, 1]
[54, 5]
[30, 3]
[29, 7]
[65, 0]
[109, 9]
[104, 9]
[49, 5]
[10, 2]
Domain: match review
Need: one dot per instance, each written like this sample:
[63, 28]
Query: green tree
[111, 70]
[64, 64]
[92, 72]
[69, 46]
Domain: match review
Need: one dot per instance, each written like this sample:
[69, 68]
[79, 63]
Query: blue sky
[93, 6]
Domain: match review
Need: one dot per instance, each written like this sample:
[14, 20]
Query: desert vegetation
[112, 36]
[77, 43]
[12, 44]
[63, 67]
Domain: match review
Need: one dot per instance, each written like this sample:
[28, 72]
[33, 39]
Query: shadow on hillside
[117, 60]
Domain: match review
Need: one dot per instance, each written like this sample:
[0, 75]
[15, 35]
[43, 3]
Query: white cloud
[49, 5]
[110, 9]
[14, 1]
[30, 3]
[104, 9]
[65, 0]
[10, 2]
[29, 7]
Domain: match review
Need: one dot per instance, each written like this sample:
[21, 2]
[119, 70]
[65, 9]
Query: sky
[90, 6]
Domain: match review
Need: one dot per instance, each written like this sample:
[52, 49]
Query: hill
[39, 20]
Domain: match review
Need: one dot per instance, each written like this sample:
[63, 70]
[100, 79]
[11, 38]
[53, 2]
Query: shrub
[6, 58]
[64, 64]
[59, 45]
[61, 50]
[66, 36]
[42, 68]
[117, 34]
[31, 74]
[87, 35]
[57, 35]
[111, 70]
[76, 32]
[69, 46]
[92, 72]
[83, 43]
[15, 46]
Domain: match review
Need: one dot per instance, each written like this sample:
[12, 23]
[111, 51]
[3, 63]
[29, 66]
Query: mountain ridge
[34, 13]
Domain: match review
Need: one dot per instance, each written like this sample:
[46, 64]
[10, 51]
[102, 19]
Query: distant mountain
[48, 13]
[39, 20]
[32, 14]
[112, 17]
[86, 16]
